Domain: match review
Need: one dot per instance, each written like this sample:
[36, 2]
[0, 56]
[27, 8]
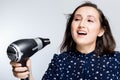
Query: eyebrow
[77, 15]
[89, 16]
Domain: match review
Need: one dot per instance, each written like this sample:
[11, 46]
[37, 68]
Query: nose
[82, 24]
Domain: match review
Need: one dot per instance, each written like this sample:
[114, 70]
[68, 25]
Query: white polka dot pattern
[74, 65]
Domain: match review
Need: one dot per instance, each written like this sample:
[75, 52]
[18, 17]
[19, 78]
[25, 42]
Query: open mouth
[81, 33]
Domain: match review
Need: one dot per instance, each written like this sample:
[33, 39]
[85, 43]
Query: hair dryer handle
[23, 62]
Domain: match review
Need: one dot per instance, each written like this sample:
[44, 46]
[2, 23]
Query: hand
[22, 72]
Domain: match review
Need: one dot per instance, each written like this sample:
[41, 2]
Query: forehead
[87, 10]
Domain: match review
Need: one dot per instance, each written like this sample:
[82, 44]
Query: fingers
[15, 64]
[19, 71]
[21, 75]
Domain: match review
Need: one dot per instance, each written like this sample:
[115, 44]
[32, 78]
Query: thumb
[28, 63]
[30, 69]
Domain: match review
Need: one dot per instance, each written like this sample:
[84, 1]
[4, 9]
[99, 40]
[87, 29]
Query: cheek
[94, 31]
[73, 31]
[73, 28]
[74, 25]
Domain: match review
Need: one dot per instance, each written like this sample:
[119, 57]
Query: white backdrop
[43, 18]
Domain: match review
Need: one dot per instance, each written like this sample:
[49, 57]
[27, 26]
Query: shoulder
[59, 59]
[117, 56]
[62, 55]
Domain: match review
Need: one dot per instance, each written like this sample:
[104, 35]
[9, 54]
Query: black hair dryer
[22, 49]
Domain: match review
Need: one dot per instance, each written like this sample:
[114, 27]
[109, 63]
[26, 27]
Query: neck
[86, 49]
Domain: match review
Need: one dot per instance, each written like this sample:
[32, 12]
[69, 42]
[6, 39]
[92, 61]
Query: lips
[81, 32]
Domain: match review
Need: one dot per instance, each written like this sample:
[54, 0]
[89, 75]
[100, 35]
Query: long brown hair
[104, 44]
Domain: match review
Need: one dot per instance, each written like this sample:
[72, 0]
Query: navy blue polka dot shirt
[78, 66]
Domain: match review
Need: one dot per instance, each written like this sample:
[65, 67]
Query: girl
[87, 51]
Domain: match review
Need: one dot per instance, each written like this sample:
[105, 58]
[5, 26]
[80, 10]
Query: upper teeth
[81, 32]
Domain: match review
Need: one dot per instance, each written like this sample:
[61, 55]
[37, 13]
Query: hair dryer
[22, 49]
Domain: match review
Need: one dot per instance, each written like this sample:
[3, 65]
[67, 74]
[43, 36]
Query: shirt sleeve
[52, 71]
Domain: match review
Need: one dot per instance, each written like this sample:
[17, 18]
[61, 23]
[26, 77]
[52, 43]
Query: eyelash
[90, 20]
[76, 19]
[80, 19]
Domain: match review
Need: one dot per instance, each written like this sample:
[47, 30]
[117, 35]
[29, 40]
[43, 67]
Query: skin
[22, 72]
[86, 20]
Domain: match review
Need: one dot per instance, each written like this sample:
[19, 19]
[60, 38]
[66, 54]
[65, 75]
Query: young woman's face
[86, 27]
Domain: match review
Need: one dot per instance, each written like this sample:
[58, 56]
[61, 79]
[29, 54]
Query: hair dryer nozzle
[45, 41]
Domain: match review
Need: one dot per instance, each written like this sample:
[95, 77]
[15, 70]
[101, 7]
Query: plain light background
[43, 18]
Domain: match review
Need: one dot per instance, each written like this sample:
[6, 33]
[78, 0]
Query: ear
[101, 32]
